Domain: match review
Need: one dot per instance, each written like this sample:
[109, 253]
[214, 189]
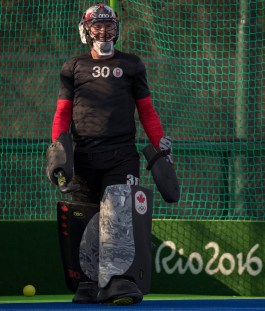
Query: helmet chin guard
[103, 48]
[99, 13]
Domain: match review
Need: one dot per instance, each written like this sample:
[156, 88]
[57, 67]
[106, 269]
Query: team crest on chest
[117, 72]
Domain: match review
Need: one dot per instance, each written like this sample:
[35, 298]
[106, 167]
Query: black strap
[156, 157]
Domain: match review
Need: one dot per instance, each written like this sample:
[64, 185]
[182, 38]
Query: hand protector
[60, 163]
[162, 169]
[166, 144]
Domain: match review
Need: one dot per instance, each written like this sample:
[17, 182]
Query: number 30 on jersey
[104, 72]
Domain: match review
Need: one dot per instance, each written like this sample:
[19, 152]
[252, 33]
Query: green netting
[206, 67]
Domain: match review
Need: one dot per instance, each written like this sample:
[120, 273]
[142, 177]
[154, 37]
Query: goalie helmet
[91, 33]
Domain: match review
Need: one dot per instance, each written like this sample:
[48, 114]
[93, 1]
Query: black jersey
[103, 94]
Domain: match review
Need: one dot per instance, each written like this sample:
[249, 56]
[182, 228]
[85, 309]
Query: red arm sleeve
[62, 118]
[150, 120]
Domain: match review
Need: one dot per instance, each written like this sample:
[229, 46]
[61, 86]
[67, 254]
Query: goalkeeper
[99, 92]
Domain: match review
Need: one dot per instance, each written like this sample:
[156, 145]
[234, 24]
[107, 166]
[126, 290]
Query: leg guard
[78, 236]
[125, 235]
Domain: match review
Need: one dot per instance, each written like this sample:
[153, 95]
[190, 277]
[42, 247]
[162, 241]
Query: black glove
[60, 163]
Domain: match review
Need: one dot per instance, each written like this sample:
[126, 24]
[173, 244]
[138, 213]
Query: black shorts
[95, 171]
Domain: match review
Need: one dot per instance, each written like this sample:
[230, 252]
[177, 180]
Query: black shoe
[120, 292]
[86, 292]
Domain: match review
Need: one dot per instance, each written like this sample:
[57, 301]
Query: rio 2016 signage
[224, 263]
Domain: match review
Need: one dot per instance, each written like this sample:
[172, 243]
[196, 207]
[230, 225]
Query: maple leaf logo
[141, 198]
[140, 202]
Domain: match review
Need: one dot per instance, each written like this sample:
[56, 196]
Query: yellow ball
[29, 291]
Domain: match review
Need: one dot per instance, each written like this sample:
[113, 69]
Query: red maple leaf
[141, 198]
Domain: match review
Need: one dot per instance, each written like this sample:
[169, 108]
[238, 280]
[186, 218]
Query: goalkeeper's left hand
[166, 144]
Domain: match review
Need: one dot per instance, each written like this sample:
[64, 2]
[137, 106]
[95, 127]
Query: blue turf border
[167, 305]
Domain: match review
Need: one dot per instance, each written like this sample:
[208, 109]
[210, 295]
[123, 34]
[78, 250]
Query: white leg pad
[125, 235]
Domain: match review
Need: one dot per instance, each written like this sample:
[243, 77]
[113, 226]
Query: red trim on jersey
[62, 117]
[150, 120]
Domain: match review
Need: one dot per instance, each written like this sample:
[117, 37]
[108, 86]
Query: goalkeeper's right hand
[165, 144]
[62, 183]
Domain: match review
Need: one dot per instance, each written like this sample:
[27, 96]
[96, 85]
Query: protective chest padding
[125, 235]
[73, 218]
[164, 174]
[59, 156]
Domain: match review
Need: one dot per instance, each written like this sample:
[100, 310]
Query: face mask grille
[103, 30]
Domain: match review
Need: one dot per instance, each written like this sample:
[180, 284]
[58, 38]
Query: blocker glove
[162, 169]
[165, 144]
